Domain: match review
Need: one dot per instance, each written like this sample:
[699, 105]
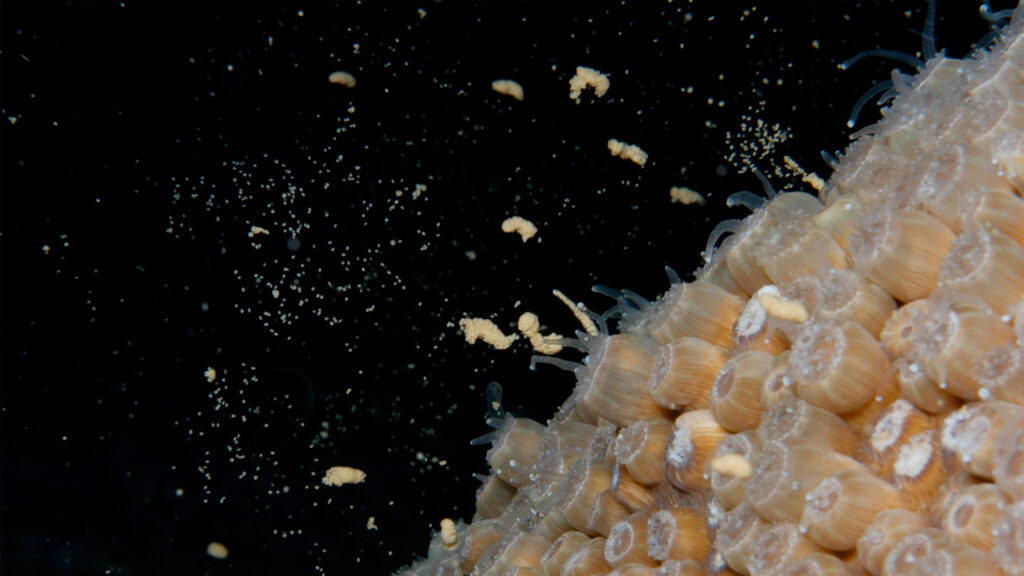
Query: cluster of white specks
[303, 242]
[238, 436]
[427, 462]
[755, 143]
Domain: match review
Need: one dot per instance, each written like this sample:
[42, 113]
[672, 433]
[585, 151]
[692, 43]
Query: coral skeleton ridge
[840, 391]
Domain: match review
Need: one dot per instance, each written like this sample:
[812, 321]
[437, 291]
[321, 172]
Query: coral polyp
[839, 391]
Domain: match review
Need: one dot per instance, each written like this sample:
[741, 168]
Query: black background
[140, 143]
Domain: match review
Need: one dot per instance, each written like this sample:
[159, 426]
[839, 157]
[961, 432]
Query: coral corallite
[839, 392]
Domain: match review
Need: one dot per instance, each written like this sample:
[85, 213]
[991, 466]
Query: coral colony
[840, 391]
